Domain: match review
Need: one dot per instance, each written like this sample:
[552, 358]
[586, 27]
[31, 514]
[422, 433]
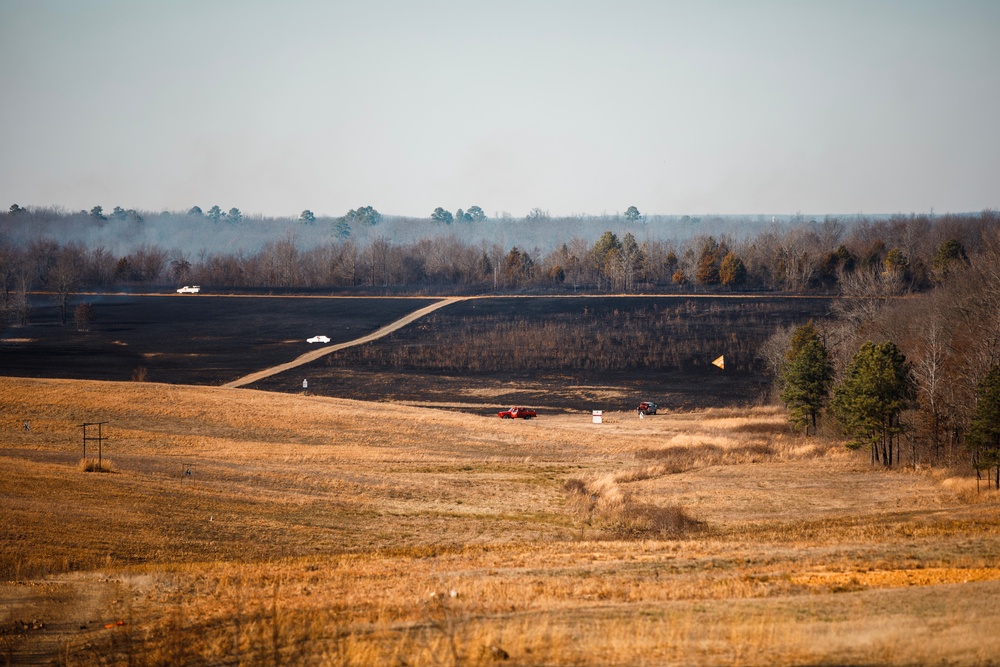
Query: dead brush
[640, 474]
[982, 495]
[616, 512]
[681, 459]
[92, 465]
[762, 428]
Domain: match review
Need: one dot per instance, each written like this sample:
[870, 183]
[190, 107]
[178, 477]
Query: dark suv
[646, 408]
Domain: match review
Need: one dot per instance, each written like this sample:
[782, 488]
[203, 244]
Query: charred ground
[202, 340]
[563, 353]
[571, 353]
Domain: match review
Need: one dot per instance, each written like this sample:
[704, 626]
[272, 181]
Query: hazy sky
[570, 106]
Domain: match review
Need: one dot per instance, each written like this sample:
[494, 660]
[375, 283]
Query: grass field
[324, 531]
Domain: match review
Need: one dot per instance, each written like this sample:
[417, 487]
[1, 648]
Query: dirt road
[313, 355]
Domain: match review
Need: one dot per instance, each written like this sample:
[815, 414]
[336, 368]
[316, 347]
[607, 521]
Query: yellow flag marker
[720, 362]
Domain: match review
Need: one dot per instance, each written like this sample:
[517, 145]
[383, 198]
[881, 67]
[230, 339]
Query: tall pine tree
[807, 378]
[984, 431]
[876, 388]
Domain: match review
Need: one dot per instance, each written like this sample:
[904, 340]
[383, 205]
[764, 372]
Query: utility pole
[99, 438]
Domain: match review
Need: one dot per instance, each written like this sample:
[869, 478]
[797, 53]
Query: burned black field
[205, 340]
[556, 353]
[570, 353]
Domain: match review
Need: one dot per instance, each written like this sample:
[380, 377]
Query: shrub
[84, 316]
[91, 465]
[614, 511]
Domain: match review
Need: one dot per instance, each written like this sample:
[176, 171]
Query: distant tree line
[901, 254]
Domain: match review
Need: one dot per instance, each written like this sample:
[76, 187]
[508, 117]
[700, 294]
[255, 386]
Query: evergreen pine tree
[708, 263]
[984, 430]
[732, 271]
[807, 378]
[876, 388]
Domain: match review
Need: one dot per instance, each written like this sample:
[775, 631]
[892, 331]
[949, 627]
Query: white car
[318, 339]
[189, 289]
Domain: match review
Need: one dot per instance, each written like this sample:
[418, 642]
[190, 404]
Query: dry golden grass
[331, 532]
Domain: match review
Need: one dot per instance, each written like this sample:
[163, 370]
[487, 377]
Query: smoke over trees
[873, 260]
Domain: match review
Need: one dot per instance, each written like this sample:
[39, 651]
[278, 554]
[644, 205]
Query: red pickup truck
[646, 408]
[514, 413]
